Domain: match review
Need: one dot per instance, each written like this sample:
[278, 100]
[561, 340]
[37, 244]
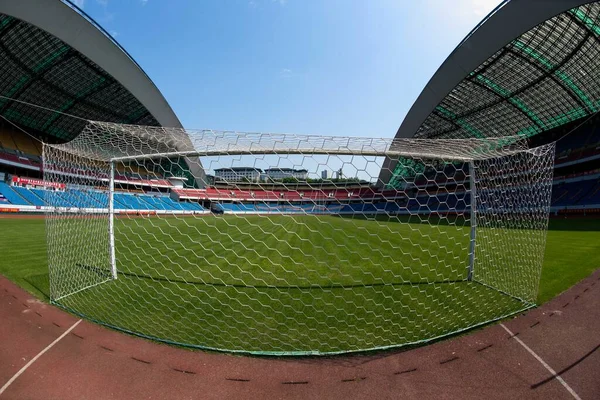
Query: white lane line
[15, 376]
[544, 363]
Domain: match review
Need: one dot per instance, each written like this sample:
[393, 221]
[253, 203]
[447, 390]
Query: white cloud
[79, 3]
[286, 73]
[114, 34]
[108, 16]
[258, 3]
[144, 2]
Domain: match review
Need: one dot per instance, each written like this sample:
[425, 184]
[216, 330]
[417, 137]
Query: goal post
[111, 221]
[291, 244]
[473, 217]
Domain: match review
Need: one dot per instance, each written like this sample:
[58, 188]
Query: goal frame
[470, 153]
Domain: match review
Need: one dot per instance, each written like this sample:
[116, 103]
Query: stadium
[484, 206]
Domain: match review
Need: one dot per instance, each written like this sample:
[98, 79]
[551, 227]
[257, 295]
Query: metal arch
[508, 22]
[447, 119]
[583, 26]
[504, 99]
[499, 99]
[545, 73]
[85, 15]
[77, 31]
[548, 74]
[82, 100]
[34, 76]
[39, 76]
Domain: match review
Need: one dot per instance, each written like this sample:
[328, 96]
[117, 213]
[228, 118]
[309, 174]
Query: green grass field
[286, 284]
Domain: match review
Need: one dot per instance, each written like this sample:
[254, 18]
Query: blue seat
[29, 196]
[12, 196]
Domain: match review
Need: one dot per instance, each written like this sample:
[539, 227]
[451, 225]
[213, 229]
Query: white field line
[544, 363]
[15, 376]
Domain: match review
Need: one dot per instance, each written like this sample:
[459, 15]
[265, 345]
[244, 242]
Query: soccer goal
[293, 245]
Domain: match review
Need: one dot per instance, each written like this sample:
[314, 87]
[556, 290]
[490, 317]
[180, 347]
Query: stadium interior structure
[57, 58]
[541, 84]
[533, 79]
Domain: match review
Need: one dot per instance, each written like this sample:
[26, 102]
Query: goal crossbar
[291, 151]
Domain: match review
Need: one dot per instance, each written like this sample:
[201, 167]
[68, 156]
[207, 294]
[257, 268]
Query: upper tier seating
[575, 193]
[585, 137]
[20, 142]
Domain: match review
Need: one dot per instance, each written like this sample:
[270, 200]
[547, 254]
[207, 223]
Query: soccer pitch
[282, 283]
[288, 283]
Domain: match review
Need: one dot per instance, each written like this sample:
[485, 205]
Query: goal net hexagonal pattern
[286, 244]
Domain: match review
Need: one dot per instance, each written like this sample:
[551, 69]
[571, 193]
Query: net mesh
[293, 245]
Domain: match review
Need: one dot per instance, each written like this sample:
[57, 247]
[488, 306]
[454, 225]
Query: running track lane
[97, 363]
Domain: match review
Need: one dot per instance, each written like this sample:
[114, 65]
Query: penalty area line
[15, 376]
[544, 363]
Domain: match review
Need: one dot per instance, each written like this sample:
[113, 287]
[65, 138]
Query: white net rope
[289, 244]
[109, 141]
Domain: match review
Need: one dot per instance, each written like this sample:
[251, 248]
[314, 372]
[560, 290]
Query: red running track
[92, 362]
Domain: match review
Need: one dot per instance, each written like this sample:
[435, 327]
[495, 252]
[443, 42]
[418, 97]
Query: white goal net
[289, 244]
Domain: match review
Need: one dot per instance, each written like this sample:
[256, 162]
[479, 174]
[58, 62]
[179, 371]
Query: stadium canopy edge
[73, 27]
[502, 26]
[489, 85]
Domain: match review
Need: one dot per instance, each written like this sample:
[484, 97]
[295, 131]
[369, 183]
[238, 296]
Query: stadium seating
[151, 202]
[572, 191]
[130, 202]
[171, 204]
[12, 196]
[280, 194]
[22, 143]
[581, 192]
[100, 198]
[28, 195]
[57, 198]
[80, 198]
[155, 203]
[585, 137]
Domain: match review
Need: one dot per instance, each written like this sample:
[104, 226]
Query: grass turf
[264, 296]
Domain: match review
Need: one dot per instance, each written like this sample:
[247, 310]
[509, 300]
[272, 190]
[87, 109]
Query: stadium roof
[52, 54]
[528, 67]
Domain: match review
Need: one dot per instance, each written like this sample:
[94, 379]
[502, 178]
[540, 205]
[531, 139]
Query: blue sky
[331, 67]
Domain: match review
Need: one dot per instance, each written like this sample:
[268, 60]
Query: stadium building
[283, 173]
[439, 240]
[238, 174]
[530, 69]
[59, 68]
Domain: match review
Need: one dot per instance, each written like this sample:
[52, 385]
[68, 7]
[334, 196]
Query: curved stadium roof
[530, 66]
[55, 56]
